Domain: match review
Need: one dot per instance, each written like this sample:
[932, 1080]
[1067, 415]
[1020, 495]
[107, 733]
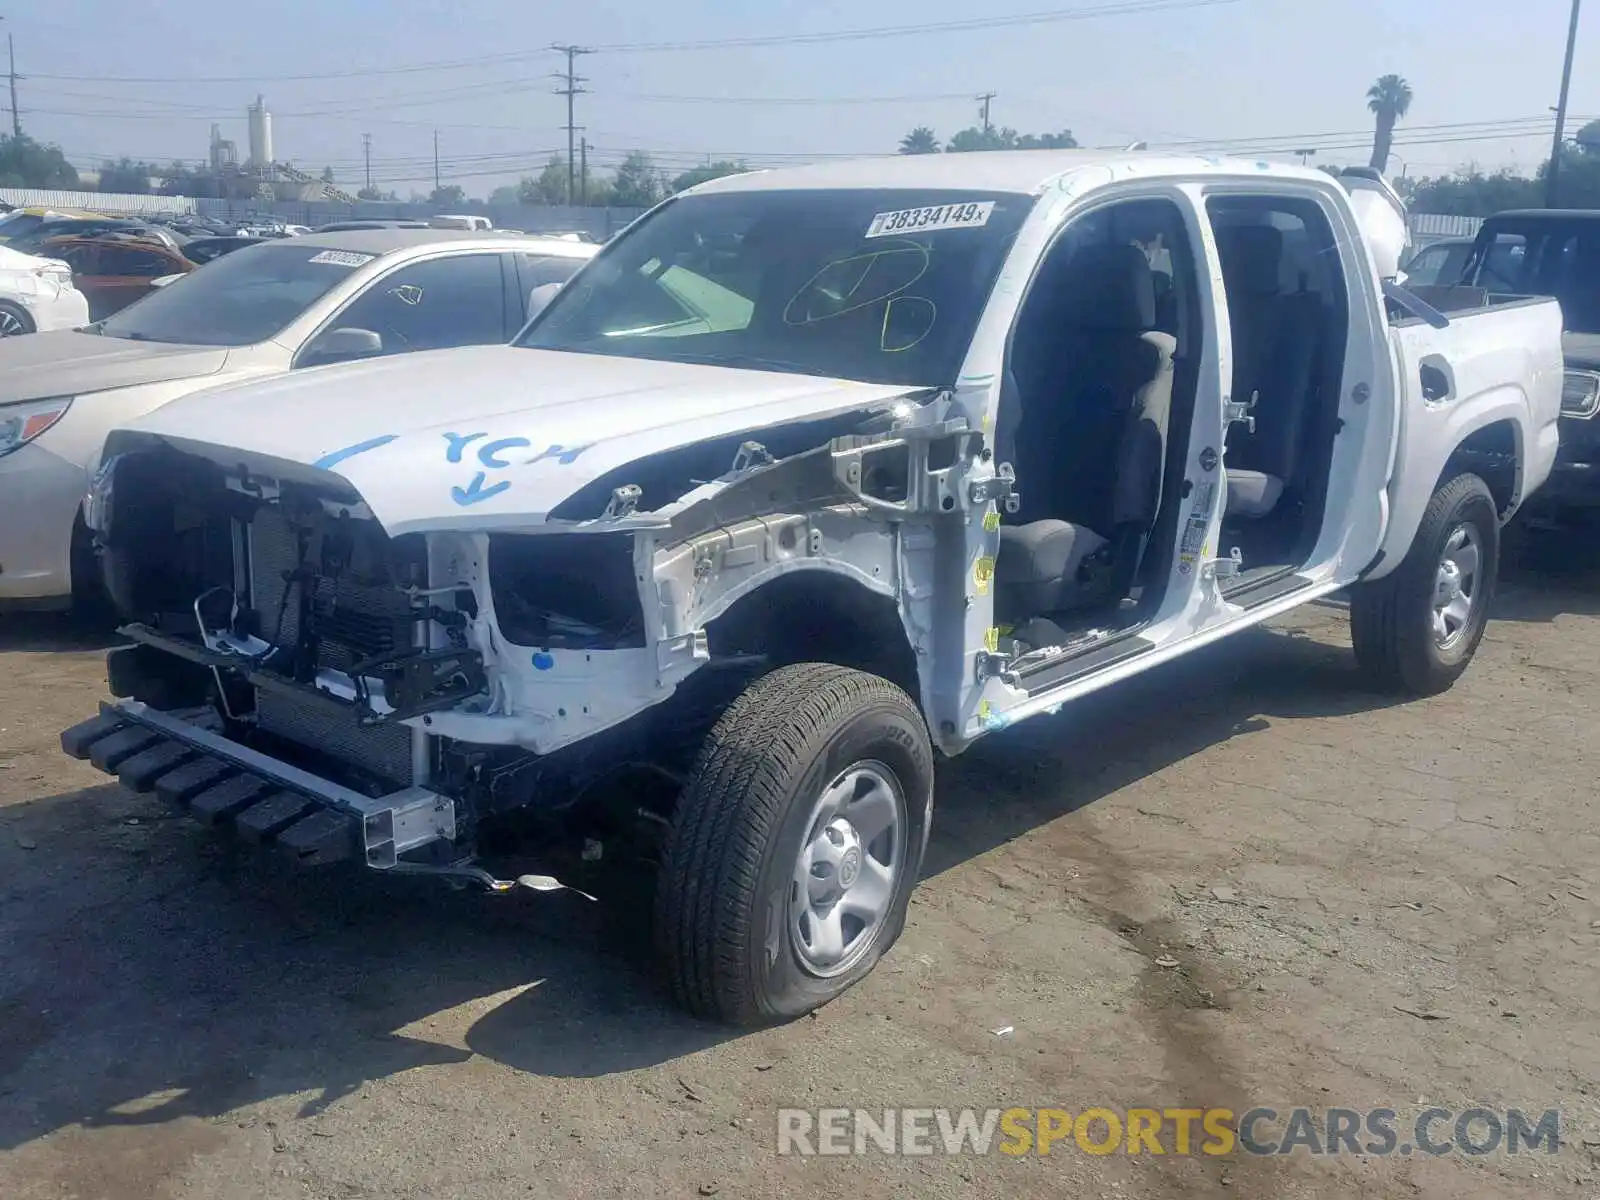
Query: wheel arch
[826, 611]
[1488, 440]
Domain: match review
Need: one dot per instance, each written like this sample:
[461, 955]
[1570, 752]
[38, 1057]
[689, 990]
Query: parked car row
[274, 306]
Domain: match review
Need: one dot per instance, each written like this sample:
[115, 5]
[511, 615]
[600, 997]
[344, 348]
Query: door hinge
[1223, 568]
[1241, 414]
[1001, 488]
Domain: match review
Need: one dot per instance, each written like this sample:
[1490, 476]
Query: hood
[487, 437]
[69, 363]
[1582, 350]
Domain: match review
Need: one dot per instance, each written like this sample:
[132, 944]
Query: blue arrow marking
[458, 443]
[561, 454]
[329, 461]
[487, 453]
[475, 492]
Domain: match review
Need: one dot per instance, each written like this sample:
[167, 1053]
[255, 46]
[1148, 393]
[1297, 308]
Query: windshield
[880, 286]
[1438, 264]
[1548, 259]
[241, 298]
[17, 223]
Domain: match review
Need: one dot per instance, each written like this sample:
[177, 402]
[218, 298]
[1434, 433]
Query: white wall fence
[106, 202]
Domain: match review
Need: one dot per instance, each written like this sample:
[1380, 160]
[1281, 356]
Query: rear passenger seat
[1274, 355]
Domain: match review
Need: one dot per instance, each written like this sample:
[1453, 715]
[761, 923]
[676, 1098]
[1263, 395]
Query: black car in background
[1555, 252]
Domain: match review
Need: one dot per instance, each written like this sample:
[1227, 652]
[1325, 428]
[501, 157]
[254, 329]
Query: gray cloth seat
[1089, 414]
[1274, 358]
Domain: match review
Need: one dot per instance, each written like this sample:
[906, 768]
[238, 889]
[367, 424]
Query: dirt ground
[1369, 904]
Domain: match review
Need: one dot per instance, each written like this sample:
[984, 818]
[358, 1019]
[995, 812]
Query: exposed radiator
[384, 750]
[353, 622]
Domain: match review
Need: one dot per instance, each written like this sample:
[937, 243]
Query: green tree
[549, 186]
[504, 194]
[181, 179]
[637, 183]
[976, 138]
[716, 170]
[127, 175]
[26, 163]
[327, 175]
[920, 140]
[450, 195]
[1048, 141]
[375, 193]
[1389, 99]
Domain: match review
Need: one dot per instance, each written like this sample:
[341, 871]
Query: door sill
[1075, 665]
[1253, 593]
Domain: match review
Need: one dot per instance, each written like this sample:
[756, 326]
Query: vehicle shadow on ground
[54, 632]
[149, 971]
[1548, 574]
[1020, 778]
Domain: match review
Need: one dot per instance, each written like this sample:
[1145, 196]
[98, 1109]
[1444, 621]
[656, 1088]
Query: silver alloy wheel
[1457, 585]
[849, 863]
[11, 325]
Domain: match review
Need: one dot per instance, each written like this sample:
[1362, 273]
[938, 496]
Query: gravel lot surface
[1237, 881]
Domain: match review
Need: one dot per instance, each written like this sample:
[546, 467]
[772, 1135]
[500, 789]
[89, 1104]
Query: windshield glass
[876, 285]
[241, 298]
[1438, 264]
[17, 223]
[1549, 259]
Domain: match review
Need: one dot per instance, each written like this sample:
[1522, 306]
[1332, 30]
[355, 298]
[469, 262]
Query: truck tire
[795, 846]
[1416, 629]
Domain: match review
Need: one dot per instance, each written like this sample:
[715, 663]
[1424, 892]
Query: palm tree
[1390, 100]
[920, 140]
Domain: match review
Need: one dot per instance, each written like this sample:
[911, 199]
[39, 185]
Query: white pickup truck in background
[808, 474]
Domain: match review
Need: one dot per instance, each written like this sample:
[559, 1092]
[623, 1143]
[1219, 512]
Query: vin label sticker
[342, 258]
[926, 220]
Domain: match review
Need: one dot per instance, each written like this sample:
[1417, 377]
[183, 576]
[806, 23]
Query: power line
[1118, 8]
[1115, 8]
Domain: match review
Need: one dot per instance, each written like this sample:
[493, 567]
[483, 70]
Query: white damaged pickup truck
[807, 475]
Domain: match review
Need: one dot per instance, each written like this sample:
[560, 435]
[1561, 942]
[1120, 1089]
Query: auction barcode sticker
[926, 220]
[342, 258]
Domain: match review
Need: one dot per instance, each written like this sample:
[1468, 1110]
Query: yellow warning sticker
[982, 575]
[991, 639]
[991, 522]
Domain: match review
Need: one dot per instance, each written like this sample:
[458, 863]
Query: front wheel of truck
[1416, 629]
[795, 846]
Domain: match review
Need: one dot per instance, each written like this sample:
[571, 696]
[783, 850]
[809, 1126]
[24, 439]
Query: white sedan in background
[37, 294]
[287, 304]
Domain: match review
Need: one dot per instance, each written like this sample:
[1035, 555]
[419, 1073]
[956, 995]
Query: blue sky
[1278, 70]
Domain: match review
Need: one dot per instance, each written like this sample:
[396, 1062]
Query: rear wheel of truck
[795, 846]
[1416, 629]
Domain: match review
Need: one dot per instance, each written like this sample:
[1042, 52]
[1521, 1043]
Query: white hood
[487, 437]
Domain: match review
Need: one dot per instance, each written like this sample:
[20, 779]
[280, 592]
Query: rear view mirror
[340, 345]
[539, 299]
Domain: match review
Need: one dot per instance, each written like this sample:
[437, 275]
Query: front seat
[1088, 439]
[1274, 355]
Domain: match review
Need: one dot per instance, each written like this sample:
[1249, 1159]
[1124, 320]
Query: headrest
[1110, 288]
[1251, 258]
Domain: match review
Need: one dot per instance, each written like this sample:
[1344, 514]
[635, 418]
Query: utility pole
[436, 160]
[366, 149]
[16, 116]
[1552, 176]
[985, 100]
[571, 89]
[583, 172]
